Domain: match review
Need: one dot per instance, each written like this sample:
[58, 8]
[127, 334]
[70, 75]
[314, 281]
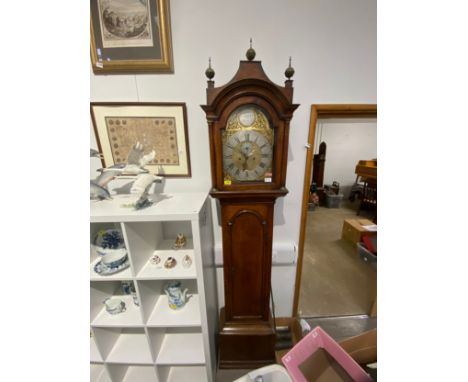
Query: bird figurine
[98, 190]
[135, 165]
[136, 161]
[142, 186]
[95, 154]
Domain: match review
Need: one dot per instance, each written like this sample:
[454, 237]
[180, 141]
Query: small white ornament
[155, 260]
[186, 261]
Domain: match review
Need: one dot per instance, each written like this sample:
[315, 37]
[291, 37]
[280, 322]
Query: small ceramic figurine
[114, 305]
[93, 153]
[155, 259]
[170, 263]
[142, 186]
[135, 165]
[180, 241]
[176, 297]
[186, 261]
[136, 162]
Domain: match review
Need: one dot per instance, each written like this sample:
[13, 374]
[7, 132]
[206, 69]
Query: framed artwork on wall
[161, 127]
[131, 36]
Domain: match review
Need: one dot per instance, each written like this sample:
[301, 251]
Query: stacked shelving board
[151, 342]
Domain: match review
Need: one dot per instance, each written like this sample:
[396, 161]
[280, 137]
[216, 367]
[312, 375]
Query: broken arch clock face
[247, 146]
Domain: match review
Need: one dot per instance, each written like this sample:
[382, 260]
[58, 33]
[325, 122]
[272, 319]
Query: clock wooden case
[248, 120]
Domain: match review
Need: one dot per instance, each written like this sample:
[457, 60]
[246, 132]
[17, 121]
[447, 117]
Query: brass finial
[209, 72]
[250, 52]
[289, 72]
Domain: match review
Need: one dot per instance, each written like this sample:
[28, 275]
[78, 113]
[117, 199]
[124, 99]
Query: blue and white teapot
[176, 297]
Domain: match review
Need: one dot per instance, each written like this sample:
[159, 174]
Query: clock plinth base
[246, 345]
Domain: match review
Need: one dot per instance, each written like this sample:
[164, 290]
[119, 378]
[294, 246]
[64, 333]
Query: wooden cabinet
[150, 342]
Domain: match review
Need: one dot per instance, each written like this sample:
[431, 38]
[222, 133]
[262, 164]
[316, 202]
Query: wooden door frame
[321, 111]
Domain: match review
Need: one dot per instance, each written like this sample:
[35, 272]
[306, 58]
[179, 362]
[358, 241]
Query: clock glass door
[248, 141]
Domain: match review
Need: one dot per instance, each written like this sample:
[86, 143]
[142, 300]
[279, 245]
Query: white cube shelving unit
[151, 342]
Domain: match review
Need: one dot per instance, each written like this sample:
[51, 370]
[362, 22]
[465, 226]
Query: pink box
[318, 357]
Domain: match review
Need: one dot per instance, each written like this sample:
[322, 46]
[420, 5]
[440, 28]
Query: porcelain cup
[115, 258]
[114, 305]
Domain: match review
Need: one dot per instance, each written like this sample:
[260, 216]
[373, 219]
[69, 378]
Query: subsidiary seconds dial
[247, 155]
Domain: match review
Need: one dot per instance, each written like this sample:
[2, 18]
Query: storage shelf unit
[149, 341]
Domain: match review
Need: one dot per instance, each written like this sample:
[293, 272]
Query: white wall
[348, 141]
[333, 47]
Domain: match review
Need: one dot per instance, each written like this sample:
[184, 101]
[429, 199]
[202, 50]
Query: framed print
[131, 36]
[161, 127]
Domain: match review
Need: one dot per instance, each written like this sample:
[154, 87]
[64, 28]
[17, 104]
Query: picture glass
[157, 127]
[131, 36]
[125, 23]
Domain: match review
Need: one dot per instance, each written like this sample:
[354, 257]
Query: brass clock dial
[247, 156]
[247, 146]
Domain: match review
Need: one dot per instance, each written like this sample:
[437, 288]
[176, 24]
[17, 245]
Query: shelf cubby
[177, 346]
[156, 310]
[100, 290]
[132, 373]
[182, 373]
[98, 373]
[157, 238]
[125, 274]
[124, 345]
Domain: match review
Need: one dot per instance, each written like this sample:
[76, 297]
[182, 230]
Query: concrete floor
[335, 281]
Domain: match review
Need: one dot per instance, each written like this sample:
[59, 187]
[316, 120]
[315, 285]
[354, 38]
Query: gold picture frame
[132, 36]
[161, 127]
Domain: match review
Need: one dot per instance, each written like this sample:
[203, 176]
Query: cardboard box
[363, 347]
[320, 366]
[353, 230]
[319, 358]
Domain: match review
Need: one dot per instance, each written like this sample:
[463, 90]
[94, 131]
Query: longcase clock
[248, 120]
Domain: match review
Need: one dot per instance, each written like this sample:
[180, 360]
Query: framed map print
[161, 127]
[131, 36]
